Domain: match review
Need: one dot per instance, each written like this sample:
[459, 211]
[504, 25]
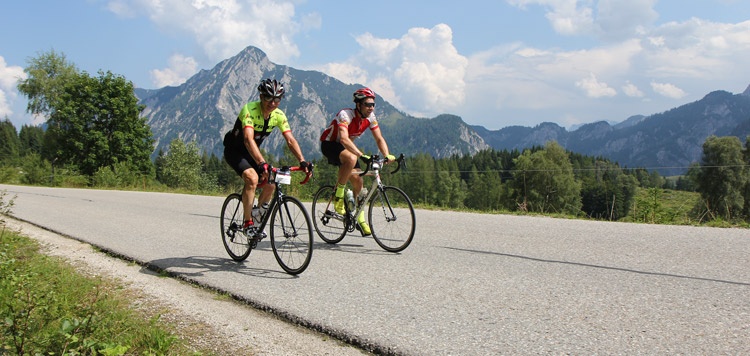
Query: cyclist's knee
[348, 159]
[250, 177]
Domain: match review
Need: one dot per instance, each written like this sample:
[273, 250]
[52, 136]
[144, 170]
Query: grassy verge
[47, 307]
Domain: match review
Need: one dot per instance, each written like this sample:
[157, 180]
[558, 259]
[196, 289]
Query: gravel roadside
[203, 317]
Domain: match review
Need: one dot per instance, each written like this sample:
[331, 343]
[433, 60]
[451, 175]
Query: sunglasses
[268, 99]
[369, 105]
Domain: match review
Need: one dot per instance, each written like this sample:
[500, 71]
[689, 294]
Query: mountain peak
[747, 91]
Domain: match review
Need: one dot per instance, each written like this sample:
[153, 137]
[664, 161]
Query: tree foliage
[93, 122]
[544, 181]
[182, 167]
[10, 145]
[96, 123]
[607, 191]
[46, 75]
[723, 177]
[31, 139]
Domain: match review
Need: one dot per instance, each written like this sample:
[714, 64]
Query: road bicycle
[390, 212]
[290, 228]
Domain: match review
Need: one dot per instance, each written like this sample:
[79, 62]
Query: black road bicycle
[390, 212]
[290, 228]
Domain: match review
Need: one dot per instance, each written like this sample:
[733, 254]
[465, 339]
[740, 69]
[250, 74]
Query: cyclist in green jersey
[241, 145]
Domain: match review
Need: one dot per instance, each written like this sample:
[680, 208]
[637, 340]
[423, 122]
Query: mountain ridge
[204, 107]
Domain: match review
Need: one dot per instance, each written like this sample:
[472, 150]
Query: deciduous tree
[544, 181]
[722, 177]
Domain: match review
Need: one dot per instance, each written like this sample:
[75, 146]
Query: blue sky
[495, 63]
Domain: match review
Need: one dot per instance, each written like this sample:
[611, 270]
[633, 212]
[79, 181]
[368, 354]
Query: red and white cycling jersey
[350, 119]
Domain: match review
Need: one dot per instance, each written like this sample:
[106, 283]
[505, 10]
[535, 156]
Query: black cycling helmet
[271, 88]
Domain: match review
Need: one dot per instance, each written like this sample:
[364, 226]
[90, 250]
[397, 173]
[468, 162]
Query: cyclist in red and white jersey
[337, 145]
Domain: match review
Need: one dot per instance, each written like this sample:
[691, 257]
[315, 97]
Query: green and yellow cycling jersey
[252, 116]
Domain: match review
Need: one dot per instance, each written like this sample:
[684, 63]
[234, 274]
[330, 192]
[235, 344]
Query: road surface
[468, 284]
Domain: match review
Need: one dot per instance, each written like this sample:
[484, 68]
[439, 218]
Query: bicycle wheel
[291, 235]
[392, 219]
[329, 225]
[235, 241]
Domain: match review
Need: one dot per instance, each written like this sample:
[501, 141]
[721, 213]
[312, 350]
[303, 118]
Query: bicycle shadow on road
[188, 268]
[360, 249]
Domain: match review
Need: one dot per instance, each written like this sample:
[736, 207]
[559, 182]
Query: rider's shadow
[188, 268]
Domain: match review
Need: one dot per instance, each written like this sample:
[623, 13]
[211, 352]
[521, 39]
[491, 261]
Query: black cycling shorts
[239, 159]
[331, 151]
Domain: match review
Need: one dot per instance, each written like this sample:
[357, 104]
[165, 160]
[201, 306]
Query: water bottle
[350, 199]
[362, 195]
[258, 212]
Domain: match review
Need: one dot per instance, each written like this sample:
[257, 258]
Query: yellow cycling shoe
[338, 205]
[363, 227]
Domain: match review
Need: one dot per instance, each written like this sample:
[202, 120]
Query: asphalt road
[468, 284]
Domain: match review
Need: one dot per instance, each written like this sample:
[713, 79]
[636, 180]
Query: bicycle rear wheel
[235, 241]
[329, 225]
[392, 219]
[291, 235]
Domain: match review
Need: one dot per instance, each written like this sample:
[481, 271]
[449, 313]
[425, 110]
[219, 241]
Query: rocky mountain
[206, 106]
[667, 142]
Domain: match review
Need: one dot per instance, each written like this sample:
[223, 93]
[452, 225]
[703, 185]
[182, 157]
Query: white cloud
[632, 90]
[621, 20]
[565, 16]
[224, 27]
[346, 72]
[9, 76]
[421, 72]
[668, 90]
[594, 88]
[679, 59]
[607, 19]
[179, 70]
[698, 49]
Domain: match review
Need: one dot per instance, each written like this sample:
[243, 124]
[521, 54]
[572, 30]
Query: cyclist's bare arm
[293, 145]
[380, 141]
[347, 142]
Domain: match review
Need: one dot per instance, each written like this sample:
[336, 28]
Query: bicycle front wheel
[328, 224]
[231, 220]
[291, 235]
[392, 219]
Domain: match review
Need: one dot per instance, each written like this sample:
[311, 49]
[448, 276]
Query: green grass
[48, 308]
[664, 206]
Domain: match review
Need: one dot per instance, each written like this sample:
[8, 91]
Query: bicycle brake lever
[369, 164]
[400, 161]
[307, 178]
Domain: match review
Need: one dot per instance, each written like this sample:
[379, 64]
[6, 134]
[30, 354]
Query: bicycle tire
[392, 219]
[328, 225]
[291, 235]
[231, 220]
